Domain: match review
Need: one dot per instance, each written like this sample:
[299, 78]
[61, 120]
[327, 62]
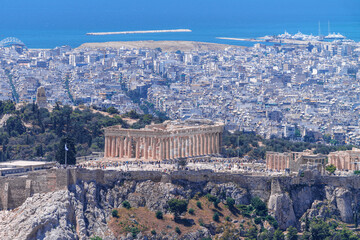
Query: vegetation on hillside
[249, 144]
[225, 221]
[35, 133]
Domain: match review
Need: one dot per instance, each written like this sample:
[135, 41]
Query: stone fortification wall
[15, 189]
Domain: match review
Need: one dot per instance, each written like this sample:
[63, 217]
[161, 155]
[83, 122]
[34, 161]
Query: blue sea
[47, 24]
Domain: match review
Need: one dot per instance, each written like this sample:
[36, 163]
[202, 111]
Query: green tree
[216, 217]
[159, 215]
[96, 238]
[112, 110]
[230, 202]
[115, 213]
[252, 234]
[177, 206]
[330, 168]
[126, 204]
[319, 230]
[291, 233]
[260, 206]
[71, 153]
[14, 126]
[278, 235]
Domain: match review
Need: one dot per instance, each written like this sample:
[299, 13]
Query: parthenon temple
[166, 141]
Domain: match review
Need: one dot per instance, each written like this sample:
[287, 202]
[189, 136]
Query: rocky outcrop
[83, 210]
[344, 204]
[280, 206]
[225, 190]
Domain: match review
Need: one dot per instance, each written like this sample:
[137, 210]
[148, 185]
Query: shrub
[115, 213]
[252, 233]
[191, 211]
[291, 233]
[260, 206]
[279, 235]
[230, 202]
[177, 230]
[153, 232]
[216, 217]
[242, 207]
[201, 222]
[330, 168]
[257, 220]
[198, 204]
[177, 206]
[216, 203]
[228, 219]
[210, 197]
[197, 195]
[96, 238]
[159, 215]
[134, 231]
[126, 204]
[272, 221]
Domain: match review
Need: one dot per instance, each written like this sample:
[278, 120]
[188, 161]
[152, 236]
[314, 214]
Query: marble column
[130, 147]
[121, 150]
[105, 148]
[110, 144]
[161, 149]
[137, 148]
[146, 146]
[117, 147]
[202, 146]
[194, 145]
[198, 144]
[213, 143]
[185, 147]
[190, 146]
[168, 148]
[172, 148]
[113, 143]
[208, 146]
[180, 146]
[210, 143]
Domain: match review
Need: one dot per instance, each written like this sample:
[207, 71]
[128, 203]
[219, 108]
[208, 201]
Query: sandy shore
[169, 46]
[137, 32]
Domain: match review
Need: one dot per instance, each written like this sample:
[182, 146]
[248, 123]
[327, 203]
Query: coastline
[287, 41]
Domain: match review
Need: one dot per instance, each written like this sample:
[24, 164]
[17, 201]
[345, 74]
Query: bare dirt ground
[168, 46]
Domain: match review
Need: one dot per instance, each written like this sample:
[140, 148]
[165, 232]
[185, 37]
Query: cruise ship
[335, 36]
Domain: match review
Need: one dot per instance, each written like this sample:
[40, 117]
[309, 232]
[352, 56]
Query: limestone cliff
[83, 209]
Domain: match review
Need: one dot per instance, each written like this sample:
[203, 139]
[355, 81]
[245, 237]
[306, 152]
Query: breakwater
[139, 32]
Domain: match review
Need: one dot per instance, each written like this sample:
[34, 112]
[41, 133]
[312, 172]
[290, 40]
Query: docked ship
[335, 36]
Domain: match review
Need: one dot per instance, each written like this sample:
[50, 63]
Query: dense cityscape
[180, 120]
[294, 91]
